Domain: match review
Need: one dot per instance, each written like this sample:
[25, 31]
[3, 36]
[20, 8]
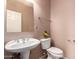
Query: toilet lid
[55, 50]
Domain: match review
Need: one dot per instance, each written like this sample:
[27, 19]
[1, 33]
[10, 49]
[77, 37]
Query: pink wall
[62, 25]
[42, 10]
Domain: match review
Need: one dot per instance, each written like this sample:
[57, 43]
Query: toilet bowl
[53, 52]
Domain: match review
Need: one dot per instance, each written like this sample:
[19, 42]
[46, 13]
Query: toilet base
[52, 57]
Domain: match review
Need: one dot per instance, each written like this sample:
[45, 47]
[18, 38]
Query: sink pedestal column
[25, 54]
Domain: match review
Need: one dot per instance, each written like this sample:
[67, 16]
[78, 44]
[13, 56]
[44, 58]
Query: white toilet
[53, 52]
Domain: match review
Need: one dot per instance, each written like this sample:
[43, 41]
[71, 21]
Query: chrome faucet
[17, 40]
[23, 40]
[20, 40]
[27, 39]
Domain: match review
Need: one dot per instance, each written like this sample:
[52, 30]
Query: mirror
[19, 16]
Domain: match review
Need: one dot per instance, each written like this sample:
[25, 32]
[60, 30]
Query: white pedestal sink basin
[22, 47]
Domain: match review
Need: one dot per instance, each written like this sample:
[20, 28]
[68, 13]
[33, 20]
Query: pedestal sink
[23, 47]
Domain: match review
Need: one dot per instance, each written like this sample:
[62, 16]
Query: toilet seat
[55, 51]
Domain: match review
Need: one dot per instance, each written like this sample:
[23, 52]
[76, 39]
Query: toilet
[52, 52]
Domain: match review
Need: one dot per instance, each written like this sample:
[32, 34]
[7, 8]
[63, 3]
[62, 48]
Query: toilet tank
[45, 43]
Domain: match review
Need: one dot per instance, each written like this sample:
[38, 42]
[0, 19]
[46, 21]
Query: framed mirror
[19, 16]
